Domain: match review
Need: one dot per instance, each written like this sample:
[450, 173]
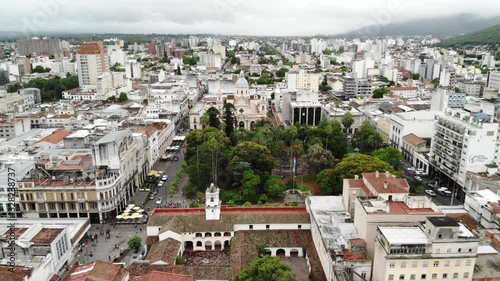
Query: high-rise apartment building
[92, 61]
[462, 143]
[37, 46]
[493, 80]
[303, 81]
[133, 70]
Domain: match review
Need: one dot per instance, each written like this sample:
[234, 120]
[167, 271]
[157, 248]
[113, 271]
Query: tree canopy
[330, 180]
[380, 92]
[266, 268]
[389, 155]
[318, 159]
[367, 138]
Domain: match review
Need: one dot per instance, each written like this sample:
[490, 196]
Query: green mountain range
[488, 36]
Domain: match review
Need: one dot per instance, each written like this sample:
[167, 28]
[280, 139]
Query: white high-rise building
[303, 81]
[193, 41]
[92, 62]
[219, 50]
[133, 70]
[361, 67]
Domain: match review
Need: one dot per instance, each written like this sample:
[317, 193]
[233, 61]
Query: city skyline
[228, 17]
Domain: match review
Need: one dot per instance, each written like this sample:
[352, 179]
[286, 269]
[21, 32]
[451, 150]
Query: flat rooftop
[443, 221]
[404, 235]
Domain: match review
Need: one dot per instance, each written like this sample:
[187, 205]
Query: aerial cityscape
[249, 140]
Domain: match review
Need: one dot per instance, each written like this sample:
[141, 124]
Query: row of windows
[424, 276]
[426, 263]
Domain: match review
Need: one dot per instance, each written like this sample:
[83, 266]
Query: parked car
[430, 192]
[152, 196]
[159, 200]
[164, 178]
[155, 191]
[418, 178]
[160, 184]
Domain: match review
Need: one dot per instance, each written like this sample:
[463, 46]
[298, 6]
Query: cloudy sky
[246, 17]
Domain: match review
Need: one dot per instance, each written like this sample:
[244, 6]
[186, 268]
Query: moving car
[159, 200]
[430, 192]
[160, 184]
[164, 178]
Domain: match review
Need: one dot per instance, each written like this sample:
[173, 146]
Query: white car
[159, 200]
[430, 192]
[160, 184]
[418, 178]
[164, 178]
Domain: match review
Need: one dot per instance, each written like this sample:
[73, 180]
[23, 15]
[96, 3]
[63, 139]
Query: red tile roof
[394, 185]
[96, 271]
[360, 184]
[165, 276]
[413, 139]
[400, 207]
[56, 137]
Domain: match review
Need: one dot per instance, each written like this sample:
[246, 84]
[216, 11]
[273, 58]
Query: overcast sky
[245, 17]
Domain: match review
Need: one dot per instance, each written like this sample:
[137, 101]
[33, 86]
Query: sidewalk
[104, 249]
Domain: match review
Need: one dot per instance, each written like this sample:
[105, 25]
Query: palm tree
[374, 140]
[347, 121]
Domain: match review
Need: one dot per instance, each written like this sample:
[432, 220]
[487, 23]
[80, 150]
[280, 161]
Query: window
[391, 277]
[446, 263]
[445, 275]
[457, 263]
[412, 276]
[423, 276]
[392, 264]
[434, 276]
[466, 275]
[267, 226]
[459, 250]
[403, 264]
[414, 264]
[401, 277]
[425, 264]
[449, 249]
[250, 226]
[363, 275]
[299, 226]
[455, 275]
[436, 263]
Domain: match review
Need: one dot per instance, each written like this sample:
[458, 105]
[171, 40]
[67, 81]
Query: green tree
[229, 118]
[380, 92]
[258, 156]
[390, 155]
[318, 159]
[213, 117]
[383, 79]
[274, 187]
[367, 138]
[249, 185]
[416, 76]
[40, 69]
[265, 268]
[281, 72]
[135, 242]
[112, 99]
[435, 82]
[324, 87]
[347, 121]
[234, 60]
[123, 97]
[330, 180]
[334, 137]
[231, 203]
[12, 88]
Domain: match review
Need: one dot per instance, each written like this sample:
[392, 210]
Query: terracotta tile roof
[199, 272]
[413, 139]
[244, 247]
[18, 274]
[394, 185]
[148, 131]
[353, 183]
[496, 207]
[56, 137]
[348, 256]
[165, 276]
[96, 271]
[193, 220]
[392, 89]
[164, 251]
[465, 219]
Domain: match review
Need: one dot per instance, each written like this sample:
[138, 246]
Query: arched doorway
[241, 124]
[226, 244]
[208, 246]
[218, 245]
[252, 125]
[280, 253]
[188, 246]
[199, 244]
[267, 252]
[294, 253]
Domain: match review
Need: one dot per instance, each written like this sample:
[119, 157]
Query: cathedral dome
[242, 82]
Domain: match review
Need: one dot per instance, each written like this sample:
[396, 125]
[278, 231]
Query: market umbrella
[126, 217]
[131, 205]
[140, 211]
[140, 216]
[127, 211]
[134, 215]
[119, 217]
[136, 208]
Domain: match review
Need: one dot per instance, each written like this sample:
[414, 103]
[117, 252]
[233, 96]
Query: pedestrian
[109, 257]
